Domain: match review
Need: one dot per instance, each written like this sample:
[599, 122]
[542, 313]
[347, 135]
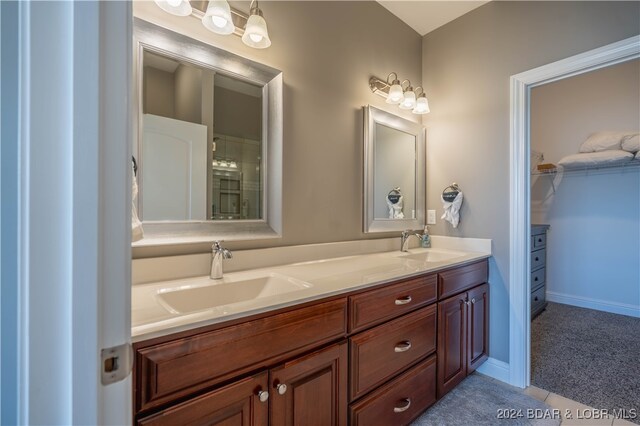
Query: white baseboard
[597, 304]
[496, 369]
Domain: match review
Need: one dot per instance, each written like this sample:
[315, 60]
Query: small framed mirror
[394, 172]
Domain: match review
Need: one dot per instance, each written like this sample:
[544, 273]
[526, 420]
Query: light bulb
[256, 38]
[409, 99]
[175, 7]
[219, 21]
[395, 94]
[174, 3]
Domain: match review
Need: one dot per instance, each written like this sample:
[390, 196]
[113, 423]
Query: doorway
[520, 192]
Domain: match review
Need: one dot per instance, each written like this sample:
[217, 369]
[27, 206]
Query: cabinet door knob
[263, 396]
[403, 300]
[403, 346]
[282, 388]
[405, 407]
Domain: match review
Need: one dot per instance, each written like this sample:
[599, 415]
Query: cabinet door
[478, 326]
[237, 404]
[452, 342]
[311, 390]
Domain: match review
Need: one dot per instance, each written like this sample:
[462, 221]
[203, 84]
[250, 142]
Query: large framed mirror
[209, 145]
[394, 172]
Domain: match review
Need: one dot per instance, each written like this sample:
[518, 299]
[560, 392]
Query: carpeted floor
[477, 401]
[589, 356]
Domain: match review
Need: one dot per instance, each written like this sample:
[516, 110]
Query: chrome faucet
[218, 254]
[404, 239]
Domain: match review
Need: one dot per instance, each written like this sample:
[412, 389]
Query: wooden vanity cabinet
[375, 356]
[463, 326]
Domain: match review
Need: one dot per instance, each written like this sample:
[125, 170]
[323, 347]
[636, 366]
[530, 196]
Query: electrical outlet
[431, 217]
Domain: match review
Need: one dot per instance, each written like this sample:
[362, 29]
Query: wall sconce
[220, 18]
[397, 94]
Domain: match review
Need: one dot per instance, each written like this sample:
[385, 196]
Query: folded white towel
[452, 209]
[136, 225]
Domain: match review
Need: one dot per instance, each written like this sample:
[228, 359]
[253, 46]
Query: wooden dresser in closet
[538, 268]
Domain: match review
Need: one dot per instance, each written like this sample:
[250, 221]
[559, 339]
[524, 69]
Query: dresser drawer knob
[405, 407]
[403, 346]
[535, 279]
[263, 396]
[535, 299]
[403, 300]
[537, 259]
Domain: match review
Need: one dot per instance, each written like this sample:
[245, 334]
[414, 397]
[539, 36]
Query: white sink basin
[433, 255]
[209, 295]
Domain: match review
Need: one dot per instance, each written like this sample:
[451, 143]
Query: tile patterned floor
[572, 412]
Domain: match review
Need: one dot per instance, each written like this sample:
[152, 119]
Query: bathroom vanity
[379, 353]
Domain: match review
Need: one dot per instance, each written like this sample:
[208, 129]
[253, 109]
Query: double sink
[239, 288]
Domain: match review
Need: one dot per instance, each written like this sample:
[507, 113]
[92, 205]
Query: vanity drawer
[538, 298]
[380, 353]
[462, 278]
[400, 401]
[538, 259]
[539, 241]
[537, 278]
[171, 370]
[373, 307]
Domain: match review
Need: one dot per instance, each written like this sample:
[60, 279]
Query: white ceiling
[425, 16]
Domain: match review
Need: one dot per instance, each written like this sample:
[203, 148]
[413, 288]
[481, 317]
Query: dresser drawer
[539, 241]
[537, 278]
[400, 401]
[171, 370]
[380, 353]
[373, 307]
[538, 298]
[538, 259]
[462, 278]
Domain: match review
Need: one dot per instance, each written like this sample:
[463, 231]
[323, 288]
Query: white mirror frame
[373, 116]
[152, 38]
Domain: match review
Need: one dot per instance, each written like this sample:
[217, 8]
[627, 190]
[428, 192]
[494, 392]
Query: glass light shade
[175, 7]
[409, 101]
[422, 105]
[395, 94]
[218, 17]
[255, 33]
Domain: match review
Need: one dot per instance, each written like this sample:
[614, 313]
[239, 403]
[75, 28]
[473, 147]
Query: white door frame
[519, 216]
[73, 188]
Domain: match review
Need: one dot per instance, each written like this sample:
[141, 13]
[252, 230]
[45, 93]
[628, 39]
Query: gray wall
[237, 114]
[327, 52]
[158, 92]
[594, 216]
[466, 66]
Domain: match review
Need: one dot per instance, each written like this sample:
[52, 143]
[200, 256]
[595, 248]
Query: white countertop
[153, 317]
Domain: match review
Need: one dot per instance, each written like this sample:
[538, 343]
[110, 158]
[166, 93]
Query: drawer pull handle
[403, 346]
[535, 299]
[535, 279]
[539, 240]
[405, 407]
[403, 300]
[282, 388]
[537, 259]
[263, 396]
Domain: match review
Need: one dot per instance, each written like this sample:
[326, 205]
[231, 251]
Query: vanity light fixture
[422, 104]
[175, 7]
[409, 100]
[255, 33]
[220, 18]
[397, 93]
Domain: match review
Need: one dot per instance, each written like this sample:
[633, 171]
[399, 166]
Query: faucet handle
[216, 245]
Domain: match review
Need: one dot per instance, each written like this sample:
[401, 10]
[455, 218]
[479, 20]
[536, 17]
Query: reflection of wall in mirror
[394, 166]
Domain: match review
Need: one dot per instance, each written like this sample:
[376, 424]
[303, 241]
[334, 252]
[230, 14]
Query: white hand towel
[136, 225]
[452, 209]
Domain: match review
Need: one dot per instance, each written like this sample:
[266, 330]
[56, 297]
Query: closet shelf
[633, 164]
